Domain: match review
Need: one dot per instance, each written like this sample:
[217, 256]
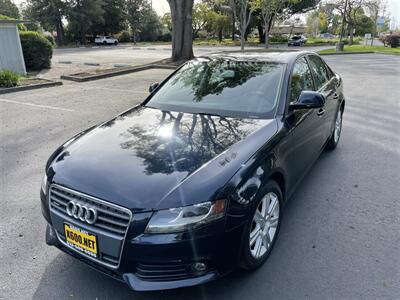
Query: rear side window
[320, 71]
[301, 79]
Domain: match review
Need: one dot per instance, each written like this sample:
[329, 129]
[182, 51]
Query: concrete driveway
[74, 60]
[340, 236]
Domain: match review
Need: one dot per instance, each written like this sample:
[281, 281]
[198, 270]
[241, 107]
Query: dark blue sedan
[191, 184]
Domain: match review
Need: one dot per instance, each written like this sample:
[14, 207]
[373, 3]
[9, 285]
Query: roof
[282, 56]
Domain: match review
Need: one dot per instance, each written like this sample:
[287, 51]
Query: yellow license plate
[81, 240]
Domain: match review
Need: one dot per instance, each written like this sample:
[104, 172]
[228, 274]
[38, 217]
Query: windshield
[222, 87]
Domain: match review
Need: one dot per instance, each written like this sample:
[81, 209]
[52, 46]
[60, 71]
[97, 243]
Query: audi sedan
[191, 184]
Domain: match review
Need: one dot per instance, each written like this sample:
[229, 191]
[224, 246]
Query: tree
[166, 21]
[9, 9]
[150, 28]
[83, 14]
[49, 13]
[374, 7]
[242, 10]
[114, 19]
[200, 13]
[268, 9]
[317, 22]
[136, 11]
[182, 39]
[349, 14]
[216, 23]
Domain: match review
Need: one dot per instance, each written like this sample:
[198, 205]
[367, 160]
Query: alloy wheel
[338, 126]
[264, 225]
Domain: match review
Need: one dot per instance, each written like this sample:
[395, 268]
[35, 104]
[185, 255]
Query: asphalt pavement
[340, 236]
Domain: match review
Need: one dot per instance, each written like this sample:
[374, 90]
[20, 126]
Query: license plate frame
[81, 240]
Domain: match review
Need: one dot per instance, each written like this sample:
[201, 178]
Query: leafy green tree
[166, 21]
[9, 9]
[150, 27]
[49, 13]
[200, 13]
[82, 15]
[217, 22]
[242, 10]
[136, 12]
[114, 19]
[364, 25]
[317, 22]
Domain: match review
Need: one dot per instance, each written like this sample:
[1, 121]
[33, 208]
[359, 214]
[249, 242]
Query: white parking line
[35, 105]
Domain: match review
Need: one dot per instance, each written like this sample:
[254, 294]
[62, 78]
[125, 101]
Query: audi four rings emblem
[81, 212]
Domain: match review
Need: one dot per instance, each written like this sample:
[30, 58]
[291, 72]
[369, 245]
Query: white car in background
[105, 40]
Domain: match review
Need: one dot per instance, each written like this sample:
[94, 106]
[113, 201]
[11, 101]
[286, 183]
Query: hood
[138, 158]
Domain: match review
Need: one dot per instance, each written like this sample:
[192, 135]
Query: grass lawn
[363, 48]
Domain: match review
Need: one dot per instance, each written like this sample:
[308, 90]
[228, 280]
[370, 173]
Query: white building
[11, 56]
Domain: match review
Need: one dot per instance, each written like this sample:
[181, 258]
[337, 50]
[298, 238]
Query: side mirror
[153, 87]
[308, 99]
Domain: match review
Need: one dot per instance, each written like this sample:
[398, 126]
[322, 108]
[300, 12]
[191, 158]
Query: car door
[325, 83]
[306, 125]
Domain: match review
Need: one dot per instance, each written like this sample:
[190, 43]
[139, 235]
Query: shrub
[166, 37]
[124, 37]
[51, 39]
[8, 78]
[278, 39]
[37, 50]
[393, 40]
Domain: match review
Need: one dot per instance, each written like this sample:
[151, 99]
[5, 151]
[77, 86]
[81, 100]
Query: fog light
[199, 267]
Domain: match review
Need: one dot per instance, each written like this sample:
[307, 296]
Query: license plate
[81, 240]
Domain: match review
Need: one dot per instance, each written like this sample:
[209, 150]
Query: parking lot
[340, 236]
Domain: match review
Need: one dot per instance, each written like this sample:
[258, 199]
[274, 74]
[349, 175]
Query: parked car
[297, 40]
[105, 40]
[327, 35]
[191, 183]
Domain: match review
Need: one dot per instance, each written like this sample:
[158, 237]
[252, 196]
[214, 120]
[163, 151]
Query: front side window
[301, 79]
[320, 72]
[223, 87]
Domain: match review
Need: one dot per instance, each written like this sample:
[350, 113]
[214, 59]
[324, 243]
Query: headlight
[44, 184]
[182, 218]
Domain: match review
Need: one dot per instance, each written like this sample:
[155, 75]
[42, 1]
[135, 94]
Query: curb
[116, 72]
[347, 53]
[30, 87]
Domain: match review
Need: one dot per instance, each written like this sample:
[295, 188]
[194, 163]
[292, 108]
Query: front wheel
[334, 139]
[263, 228]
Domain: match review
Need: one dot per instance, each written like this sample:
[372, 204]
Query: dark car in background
[191, 183]
[297, 40]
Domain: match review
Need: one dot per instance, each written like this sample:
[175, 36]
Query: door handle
[321, 112]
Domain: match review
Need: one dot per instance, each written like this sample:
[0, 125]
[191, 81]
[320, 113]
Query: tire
[337, 130]
[115, 43]
[252, 256]
[105, 43]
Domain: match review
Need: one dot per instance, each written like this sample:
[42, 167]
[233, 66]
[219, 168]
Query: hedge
[37, 50]
[8, 79]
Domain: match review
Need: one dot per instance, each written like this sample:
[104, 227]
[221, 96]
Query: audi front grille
[109, 218]
[110, 224]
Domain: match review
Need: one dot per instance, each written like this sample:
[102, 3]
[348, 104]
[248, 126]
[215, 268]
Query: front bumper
[162, 261]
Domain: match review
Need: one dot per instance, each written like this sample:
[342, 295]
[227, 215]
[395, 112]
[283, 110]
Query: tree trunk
[351, 35]
[266, 33]
[60, 32]
[233, 26]
[182, 37]
[261, 35]
[220, 35]
[242, 38]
